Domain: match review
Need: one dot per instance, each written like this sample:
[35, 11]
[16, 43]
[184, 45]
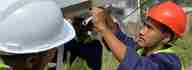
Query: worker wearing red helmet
[165, 22]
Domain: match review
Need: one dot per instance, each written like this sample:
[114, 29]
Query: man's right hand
[99, 19]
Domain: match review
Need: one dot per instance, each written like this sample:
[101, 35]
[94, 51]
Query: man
[30, 29]
[164, 23]
[83, 46]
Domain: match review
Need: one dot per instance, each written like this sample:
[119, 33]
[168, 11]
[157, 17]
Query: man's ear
[166, 38]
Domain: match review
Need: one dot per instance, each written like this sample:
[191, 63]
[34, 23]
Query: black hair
[173, 38]
[166, 29]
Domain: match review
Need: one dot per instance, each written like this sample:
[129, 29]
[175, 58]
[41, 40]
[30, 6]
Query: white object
[67, 3]
[59, 65]
[86, 21]
[31, 26]
[188, 10]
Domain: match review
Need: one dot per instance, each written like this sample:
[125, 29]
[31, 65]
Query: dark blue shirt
[158, 61]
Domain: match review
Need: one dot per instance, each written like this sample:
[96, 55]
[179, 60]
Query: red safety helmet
[171, 15]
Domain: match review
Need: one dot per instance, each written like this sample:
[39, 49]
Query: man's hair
[173, 37]
[166, 29]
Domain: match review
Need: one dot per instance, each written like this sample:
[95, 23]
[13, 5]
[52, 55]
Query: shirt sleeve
[128, 41]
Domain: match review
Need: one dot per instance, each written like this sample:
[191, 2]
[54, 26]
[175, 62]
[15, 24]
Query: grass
[184, 50]
[108, 63]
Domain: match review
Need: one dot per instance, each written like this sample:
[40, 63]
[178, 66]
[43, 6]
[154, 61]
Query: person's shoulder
[168, 57]
[167, 60]
[167, 53]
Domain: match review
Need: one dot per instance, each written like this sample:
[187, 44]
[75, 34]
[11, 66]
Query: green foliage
[183, 49]
[108, 62]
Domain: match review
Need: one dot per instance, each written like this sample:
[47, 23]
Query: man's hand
[106, 28]
[99, 19]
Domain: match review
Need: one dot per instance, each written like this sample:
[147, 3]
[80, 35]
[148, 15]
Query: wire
[142, 4]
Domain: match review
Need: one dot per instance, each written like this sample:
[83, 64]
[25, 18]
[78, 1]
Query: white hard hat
[30, 26]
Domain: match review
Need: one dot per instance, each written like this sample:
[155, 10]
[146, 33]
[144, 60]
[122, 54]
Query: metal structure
[66, 3]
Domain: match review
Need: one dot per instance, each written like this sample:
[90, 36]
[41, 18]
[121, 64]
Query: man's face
[150, 35]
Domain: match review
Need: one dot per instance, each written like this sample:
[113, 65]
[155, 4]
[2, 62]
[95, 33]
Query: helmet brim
[67, 35]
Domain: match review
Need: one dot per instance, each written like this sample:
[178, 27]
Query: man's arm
[101, 26]
[117, 47]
